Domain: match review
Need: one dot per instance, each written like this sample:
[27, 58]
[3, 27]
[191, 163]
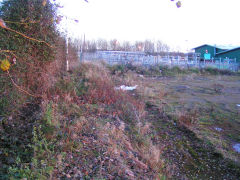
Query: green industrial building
[208, 52]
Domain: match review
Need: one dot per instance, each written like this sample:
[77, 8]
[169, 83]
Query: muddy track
[188, 156]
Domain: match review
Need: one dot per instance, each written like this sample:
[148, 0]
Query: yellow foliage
[5, 65]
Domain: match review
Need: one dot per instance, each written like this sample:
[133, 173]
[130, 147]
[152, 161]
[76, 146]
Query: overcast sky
[196, 22]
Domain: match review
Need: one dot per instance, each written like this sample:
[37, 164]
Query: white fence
[148, 60]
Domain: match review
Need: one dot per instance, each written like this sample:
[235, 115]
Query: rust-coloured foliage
[2, 23]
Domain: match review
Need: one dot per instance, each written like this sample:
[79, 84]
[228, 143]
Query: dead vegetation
[88, 129]
[109, 123]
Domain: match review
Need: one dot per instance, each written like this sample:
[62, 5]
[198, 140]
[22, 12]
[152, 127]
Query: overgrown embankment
[83, 129]
[86, 128]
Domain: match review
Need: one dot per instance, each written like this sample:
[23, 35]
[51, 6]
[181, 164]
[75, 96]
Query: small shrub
[194, 70]
[226, 72]
[65, 85]
[188, 119]
[131, 67]
[218, 88]
[142, 70]
[42, 163]
[164, 70]
[80, 87]
[211, 71]
[215, 71]
[178, 70]
[118, 69]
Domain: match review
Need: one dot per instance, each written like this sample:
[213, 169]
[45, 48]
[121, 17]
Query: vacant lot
[212, 101]
[197, 118]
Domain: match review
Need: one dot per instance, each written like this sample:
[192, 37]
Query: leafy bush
[42, 162]
[26, 41]
[33, 18]
[118, 69]
[211, 71]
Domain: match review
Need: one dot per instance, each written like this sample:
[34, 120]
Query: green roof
[223, 47]
[228, 50]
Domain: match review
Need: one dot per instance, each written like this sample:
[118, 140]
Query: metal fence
[135, 58]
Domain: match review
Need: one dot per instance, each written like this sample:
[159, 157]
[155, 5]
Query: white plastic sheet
[218, 129]
[126, 88]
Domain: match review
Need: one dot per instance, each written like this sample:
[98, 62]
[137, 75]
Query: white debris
[238, 105]
[126, 88]
[141, 76]
[236, 147]
[218, 129]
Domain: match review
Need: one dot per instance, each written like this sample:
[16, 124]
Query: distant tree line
[146, 46]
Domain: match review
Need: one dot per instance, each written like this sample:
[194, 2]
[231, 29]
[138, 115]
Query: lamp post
[82, 48]
[67, 62]
[67, 41]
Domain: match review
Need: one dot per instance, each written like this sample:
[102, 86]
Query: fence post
[220, 63]
[235, 65]
[229, 64]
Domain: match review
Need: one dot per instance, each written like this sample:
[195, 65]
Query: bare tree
[126, 46]
[166, 48]
[77, 43]
[149, 46]
[161, 47]
[114, 45]
[139, 46]
[102, 44]
[90, 46]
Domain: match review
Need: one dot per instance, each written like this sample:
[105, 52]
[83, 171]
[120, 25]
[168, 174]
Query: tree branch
[9, 29]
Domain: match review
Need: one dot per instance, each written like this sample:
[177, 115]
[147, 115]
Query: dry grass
[125, 112]
[187, 118]
[121, 148]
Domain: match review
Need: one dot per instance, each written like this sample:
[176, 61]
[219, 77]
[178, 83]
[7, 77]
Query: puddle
[201, 78]
[181, 88]
[236, 147]
[218, 129]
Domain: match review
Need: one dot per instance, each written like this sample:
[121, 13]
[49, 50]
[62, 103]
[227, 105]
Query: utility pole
[67, 63]
[83, 48]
